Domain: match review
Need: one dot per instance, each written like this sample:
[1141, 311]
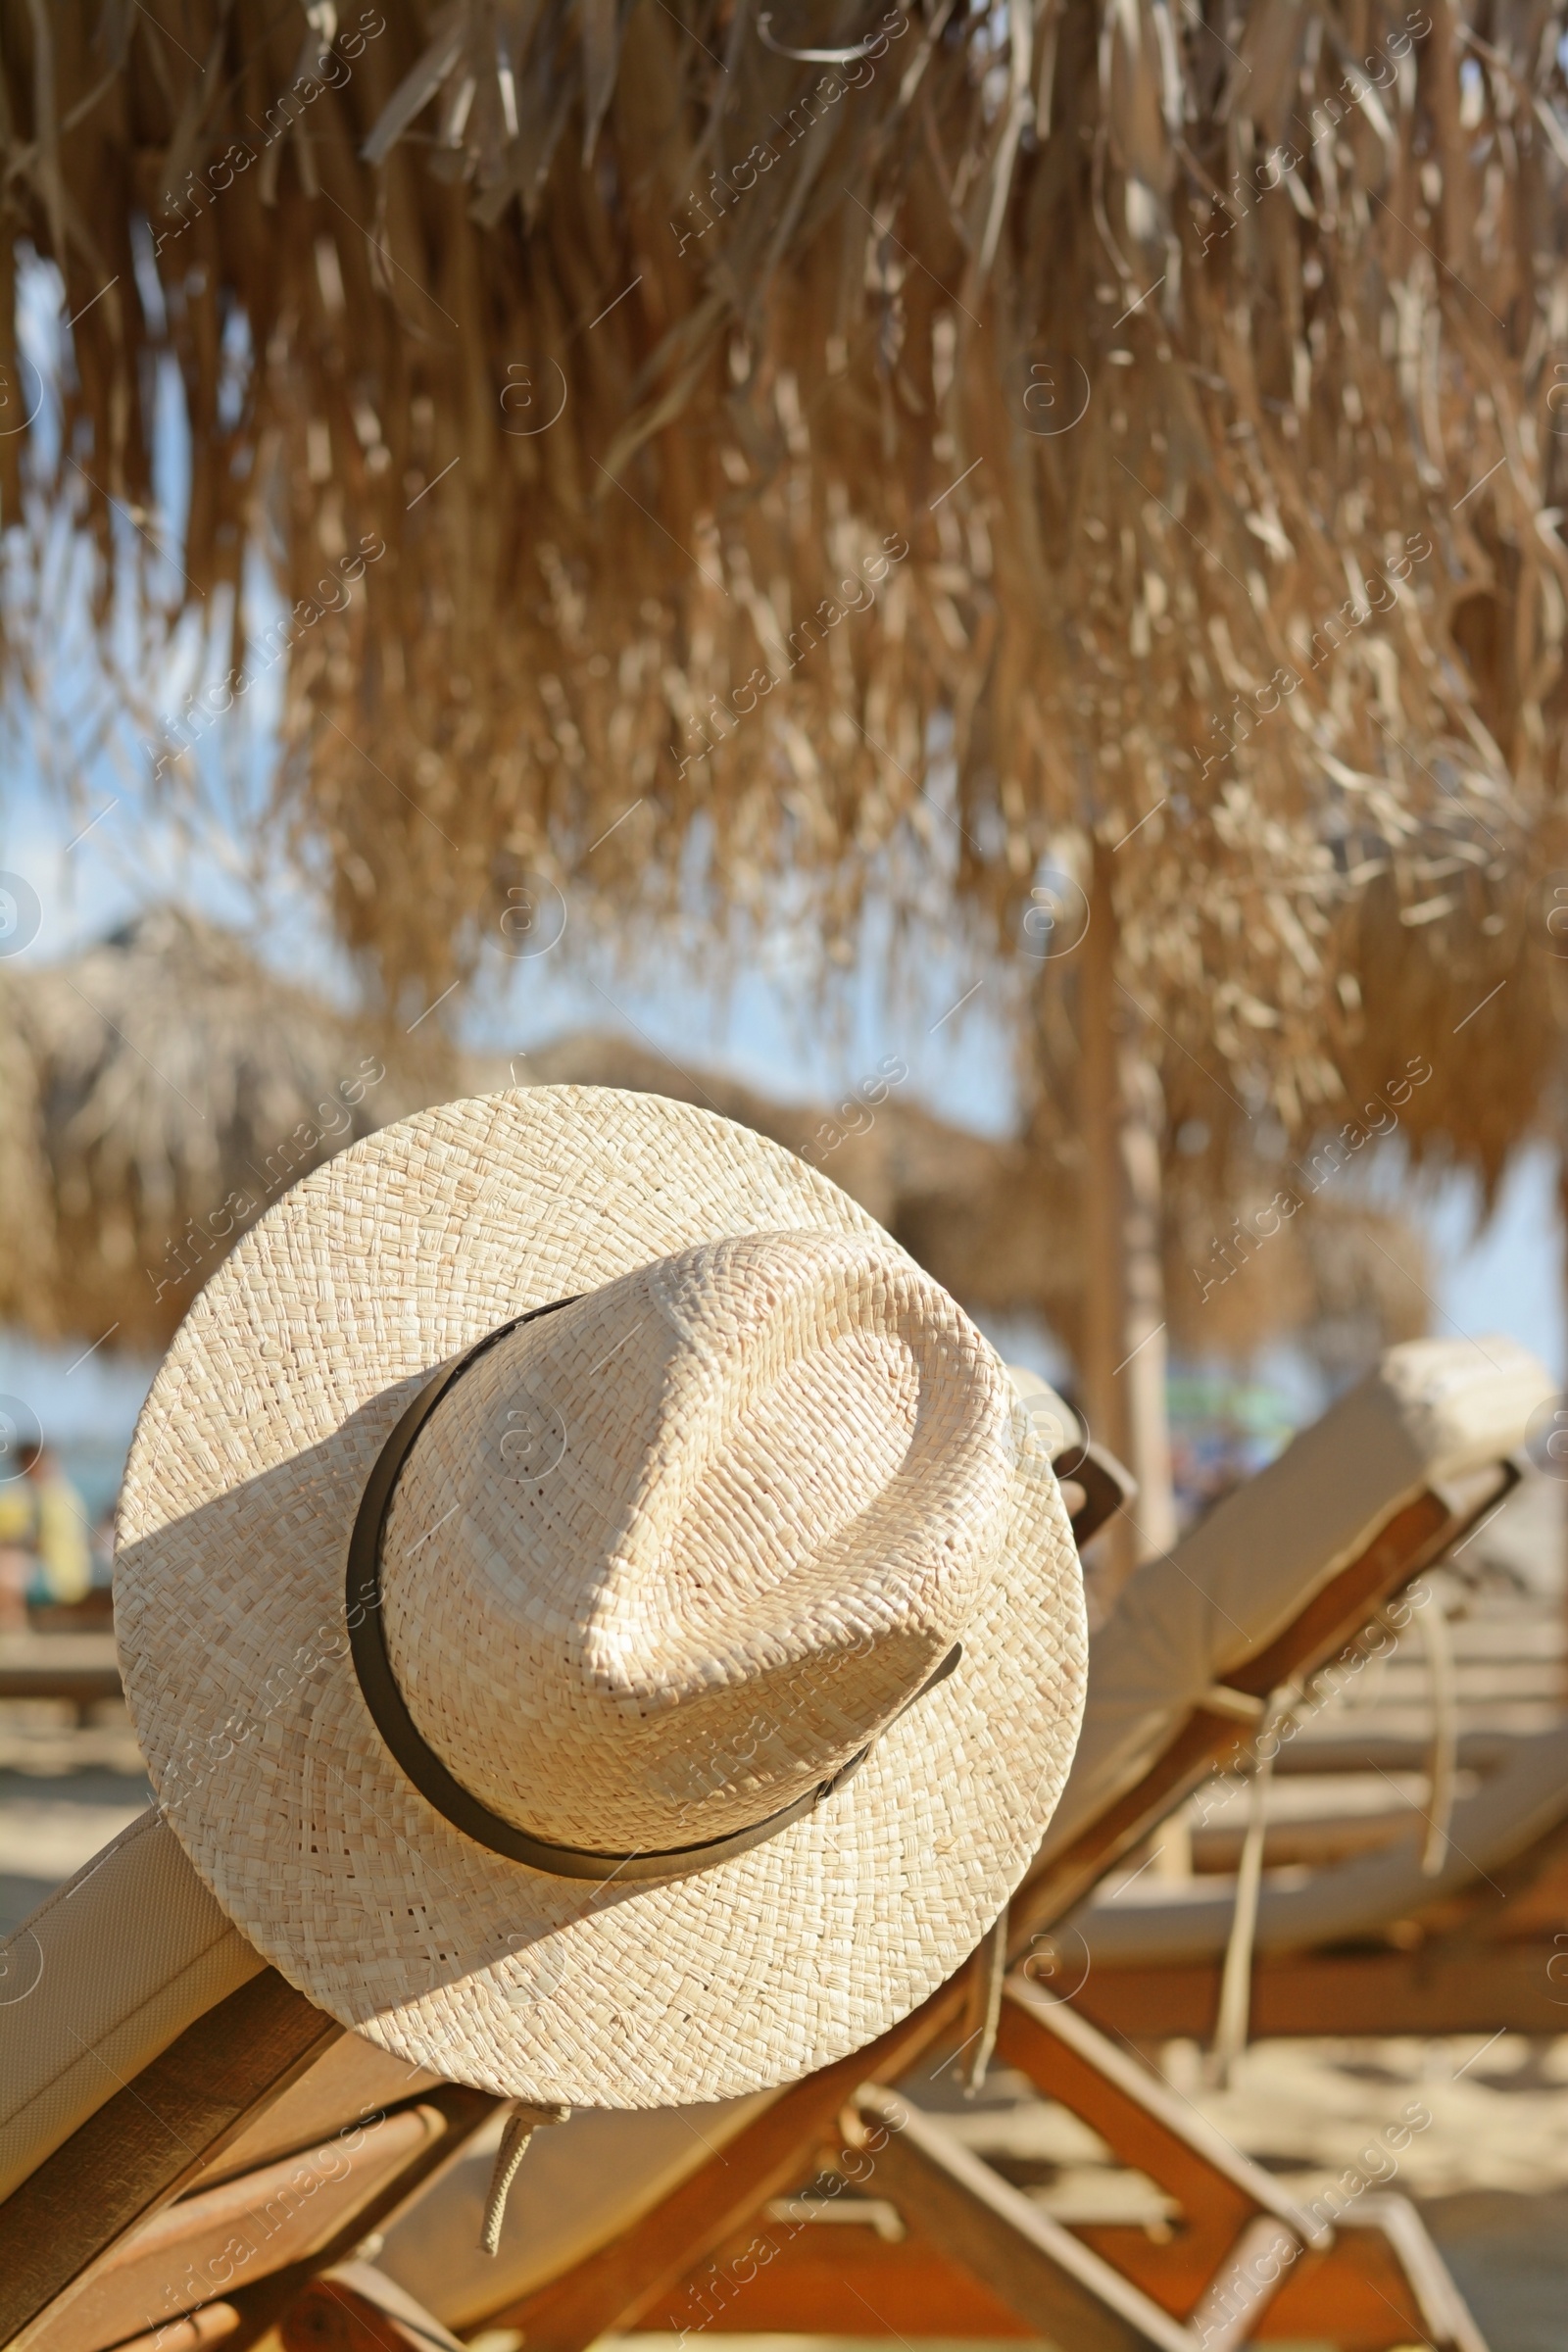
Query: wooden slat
[1410, 1540]
[355, 2308]
[609, 2290]
[835, 2280]
[1231, 2305]
[353, 2080]
[84, 1686]
[1357, 2299]
[843, 2280]
[463, 2110]
[832, 2278]
[1466, 1990]
[1158, 2133]
[1152, 2131]
[214, 2243]
[212, 2325]
[146, 2142]
[1355, 2296]
[1051, 2278]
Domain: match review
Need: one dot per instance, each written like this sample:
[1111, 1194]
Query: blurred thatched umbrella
[161, 1089]
[999, 1224]
[157, 1091]
[753, 422]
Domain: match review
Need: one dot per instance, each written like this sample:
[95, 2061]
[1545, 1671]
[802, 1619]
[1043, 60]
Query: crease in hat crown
[663, 1560]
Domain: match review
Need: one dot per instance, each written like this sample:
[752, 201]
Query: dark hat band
[419, 1762]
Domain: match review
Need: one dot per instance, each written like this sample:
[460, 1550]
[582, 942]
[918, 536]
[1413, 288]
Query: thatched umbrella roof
[1166, 352]
[999, 1223]
[702, 482]
[157, 1091]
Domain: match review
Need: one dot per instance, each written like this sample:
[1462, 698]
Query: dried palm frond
[851, 473]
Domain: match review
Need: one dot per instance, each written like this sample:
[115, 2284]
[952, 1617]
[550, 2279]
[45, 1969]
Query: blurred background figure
[45, 1544]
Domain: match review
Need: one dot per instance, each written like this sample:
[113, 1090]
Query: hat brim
[249, 1459]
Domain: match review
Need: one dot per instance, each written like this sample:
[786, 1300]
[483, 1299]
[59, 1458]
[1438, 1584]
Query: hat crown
[664, 1558]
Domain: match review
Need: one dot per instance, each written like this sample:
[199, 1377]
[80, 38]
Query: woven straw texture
[785, 1531]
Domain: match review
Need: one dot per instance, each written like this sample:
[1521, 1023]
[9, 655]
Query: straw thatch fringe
[1161, 420]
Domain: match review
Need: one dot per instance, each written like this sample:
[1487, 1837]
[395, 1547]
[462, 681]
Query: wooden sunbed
[979, 2257]
[81, 1667]
[159, 2115]
[1396, 1473]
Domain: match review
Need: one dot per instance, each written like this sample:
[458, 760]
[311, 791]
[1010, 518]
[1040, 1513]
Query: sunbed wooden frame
[618, 2286]
[1247, 2263]
[80, 1667]
[1414, 1538]
[155, 2151]
[1491, 1957]
[59, 2230]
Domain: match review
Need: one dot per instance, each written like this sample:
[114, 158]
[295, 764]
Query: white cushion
[1432, 1410]
[103, 1977]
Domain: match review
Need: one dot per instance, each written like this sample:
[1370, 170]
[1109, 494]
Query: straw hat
[594, 1611]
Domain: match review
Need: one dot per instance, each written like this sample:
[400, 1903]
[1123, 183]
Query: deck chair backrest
[173, 2114]
[1432, 1413]
[104, 1976]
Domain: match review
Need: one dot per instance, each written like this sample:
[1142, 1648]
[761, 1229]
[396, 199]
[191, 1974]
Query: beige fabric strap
[993, 1972]
[1235, 1978]
[1442, 1760]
